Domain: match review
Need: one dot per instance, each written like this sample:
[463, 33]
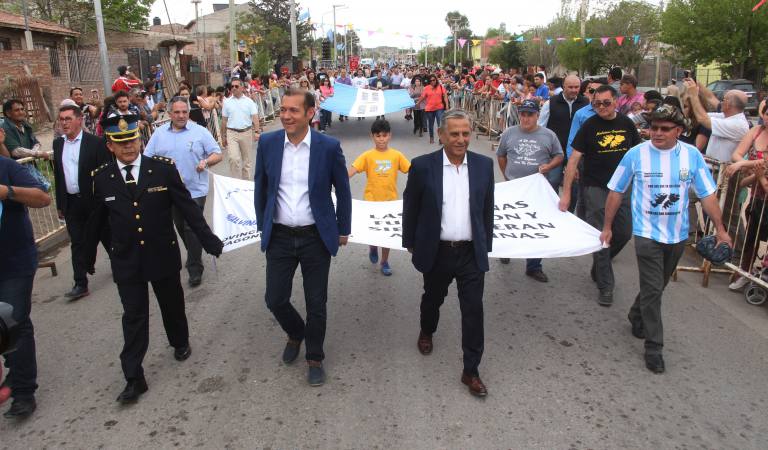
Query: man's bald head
[737, 101]
[571, 86]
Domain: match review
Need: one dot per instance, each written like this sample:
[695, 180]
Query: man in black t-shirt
[602, 141]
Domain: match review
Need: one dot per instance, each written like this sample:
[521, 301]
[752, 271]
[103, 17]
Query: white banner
[527, 222]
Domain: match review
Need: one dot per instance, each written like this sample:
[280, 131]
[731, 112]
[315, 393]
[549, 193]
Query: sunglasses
[661, 128]
[604, 103]
[591, 90]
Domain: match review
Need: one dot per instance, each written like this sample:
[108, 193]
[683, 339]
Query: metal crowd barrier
[214, 125]
[745, 217]
[46, 226]
[492, 116]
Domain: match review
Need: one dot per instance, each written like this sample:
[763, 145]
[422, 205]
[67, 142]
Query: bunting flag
[604, 40]
[758, 5]
[304, 15]
[505, 41]
[536, 39]
[576, 39]
[475, 41]
[636, 38]
[587, 40]
[491, 41]
[370, 33]
[560, 39]
[462, 42]
[549, 41]
[521, 39]
[619, 40]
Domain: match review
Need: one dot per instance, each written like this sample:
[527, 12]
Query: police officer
[137, 194]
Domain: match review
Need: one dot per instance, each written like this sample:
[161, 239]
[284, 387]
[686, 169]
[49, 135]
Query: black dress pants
[194, 262]
[135, 298]
[457, 263]
[83, 256]
[287, 250]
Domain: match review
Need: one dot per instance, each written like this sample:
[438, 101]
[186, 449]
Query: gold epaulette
[99, 169]
[164, 159]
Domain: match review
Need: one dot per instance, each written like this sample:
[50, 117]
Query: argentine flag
[353, 102]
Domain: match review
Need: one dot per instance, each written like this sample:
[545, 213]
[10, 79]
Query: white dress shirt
[134, 170]
[293, 207]
[70, 162]
[455, 224]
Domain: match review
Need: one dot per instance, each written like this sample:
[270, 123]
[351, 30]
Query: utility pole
[103, 58]
[232, 34]
[197, 32]
[455, 29]
[27, 32]
[294, 44]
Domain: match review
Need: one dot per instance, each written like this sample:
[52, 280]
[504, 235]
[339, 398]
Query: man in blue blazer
[296, 168]
[448, 227]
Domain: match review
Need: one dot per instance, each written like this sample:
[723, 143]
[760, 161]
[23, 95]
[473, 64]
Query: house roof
[8, 20]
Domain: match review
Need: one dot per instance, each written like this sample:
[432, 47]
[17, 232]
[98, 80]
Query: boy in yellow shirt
[380, 165]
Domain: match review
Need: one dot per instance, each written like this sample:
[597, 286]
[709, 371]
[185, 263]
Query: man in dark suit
[448, 227]
[295, 171]
[137, 194]
[75, 156]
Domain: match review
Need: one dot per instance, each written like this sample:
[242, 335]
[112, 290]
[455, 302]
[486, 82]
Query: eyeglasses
[235, 86]
[591, 90]
[604, 103]
[661, 128]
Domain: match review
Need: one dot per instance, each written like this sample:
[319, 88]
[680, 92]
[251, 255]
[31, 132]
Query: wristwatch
[10, 195]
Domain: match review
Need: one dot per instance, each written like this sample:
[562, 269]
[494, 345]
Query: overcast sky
[421, 17]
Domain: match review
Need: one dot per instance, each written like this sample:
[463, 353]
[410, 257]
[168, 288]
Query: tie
[130, 182]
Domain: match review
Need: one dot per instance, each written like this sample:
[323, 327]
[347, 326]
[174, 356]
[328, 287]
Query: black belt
[306, 230]
[239, 130]
[78, 195]
[455, 244]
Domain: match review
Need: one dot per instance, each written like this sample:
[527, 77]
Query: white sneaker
[738, 284]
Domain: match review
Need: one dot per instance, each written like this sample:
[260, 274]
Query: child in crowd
[380, 165]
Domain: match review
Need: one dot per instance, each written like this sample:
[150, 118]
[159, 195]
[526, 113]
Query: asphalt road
[562, 372]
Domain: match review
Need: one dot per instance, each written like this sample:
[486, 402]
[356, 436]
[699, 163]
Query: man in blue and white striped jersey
[661, 171]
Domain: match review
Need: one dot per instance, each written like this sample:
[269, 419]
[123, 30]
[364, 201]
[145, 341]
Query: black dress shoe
[538, 275]
[195, 280]
[21, 408]
[182, 353]
[638, 330]
[77, 292]
[654, 363]
[315, 374]
[291, 351]
[132, 391]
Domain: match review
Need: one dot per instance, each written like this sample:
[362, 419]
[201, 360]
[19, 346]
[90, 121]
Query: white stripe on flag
[368, 103]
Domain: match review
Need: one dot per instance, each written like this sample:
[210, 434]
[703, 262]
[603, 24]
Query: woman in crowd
[415, 91]
[326, 91]
[436, 99]
[750, 160]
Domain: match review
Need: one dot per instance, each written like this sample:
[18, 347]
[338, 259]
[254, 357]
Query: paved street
[562, 372]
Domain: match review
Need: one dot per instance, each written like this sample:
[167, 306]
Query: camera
[8, 329]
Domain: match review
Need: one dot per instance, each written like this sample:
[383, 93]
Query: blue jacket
[423, 208]
[327, 169]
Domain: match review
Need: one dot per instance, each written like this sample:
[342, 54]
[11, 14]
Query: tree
[78, 15]
[275, 35]
[507, 55]
[462, 32]
[722, 31]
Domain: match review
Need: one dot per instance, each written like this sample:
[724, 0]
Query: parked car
[721, 86]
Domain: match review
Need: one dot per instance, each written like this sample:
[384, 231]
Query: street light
[335, 57]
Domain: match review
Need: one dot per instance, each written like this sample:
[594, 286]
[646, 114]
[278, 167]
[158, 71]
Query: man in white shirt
[728, 129]
[448, 227]
[298, 223]
[240, 119]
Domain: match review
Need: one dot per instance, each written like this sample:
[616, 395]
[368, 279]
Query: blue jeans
[532, 265]
[286, 251]
[431, 116]
[21, 364]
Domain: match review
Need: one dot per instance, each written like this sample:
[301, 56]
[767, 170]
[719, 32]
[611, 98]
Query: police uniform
[144, 247]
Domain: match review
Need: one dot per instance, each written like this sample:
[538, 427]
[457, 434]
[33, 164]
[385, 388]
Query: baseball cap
[668, 113]
[529, 106]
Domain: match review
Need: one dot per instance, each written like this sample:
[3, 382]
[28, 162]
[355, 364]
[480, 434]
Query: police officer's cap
[121, 128]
